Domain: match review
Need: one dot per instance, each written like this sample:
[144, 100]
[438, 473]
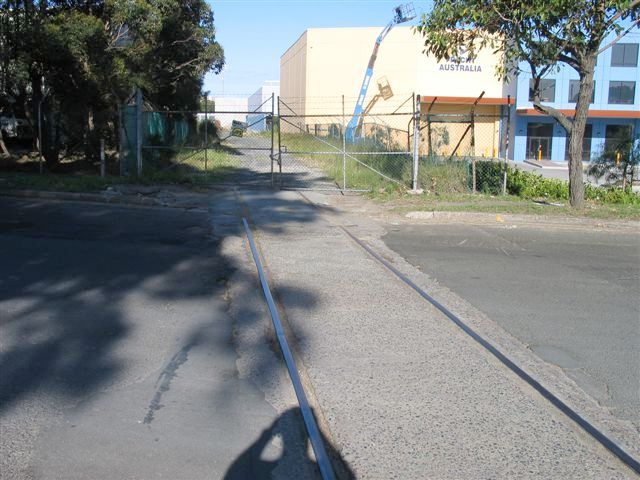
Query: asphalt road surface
[117, 353]
[571, 295]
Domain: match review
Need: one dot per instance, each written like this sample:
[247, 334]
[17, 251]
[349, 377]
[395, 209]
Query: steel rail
[600, 437]
[338, 115]
[324, 464]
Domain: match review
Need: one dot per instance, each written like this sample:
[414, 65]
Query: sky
[254, 34]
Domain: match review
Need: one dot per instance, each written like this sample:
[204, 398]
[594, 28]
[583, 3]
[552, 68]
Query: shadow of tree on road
[92, 296]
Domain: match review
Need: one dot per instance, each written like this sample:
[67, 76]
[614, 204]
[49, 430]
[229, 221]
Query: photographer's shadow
[286, 439]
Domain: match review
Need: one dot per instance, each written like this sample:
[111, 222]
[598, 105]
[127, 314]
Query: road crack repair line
[163, 383]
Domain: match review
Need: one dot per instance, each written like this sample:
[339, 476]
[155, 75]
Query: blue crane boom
[402, 13]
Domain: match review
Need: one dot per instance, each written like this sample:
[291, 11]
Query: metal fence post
[506, 149]
[473, 174]
[416, 143]
[102, 162]
[504, 179]
[344, 150]
[139, 131]
[279, 147]
[40, 136]
[120, 138]
[273, 128]
[206, 126]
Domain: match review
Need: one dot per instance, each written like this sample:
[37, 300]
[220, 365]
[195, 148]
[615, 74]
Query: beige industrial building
[325, 64]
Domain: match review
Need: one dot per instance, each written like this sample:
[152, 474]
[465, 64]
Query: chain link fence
[224, 143]
[316, 143]
[462, 151]
[60, 142]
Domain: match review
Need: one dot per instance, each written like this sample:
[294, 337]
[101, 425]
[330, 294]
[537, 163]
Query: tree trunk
[576, 182]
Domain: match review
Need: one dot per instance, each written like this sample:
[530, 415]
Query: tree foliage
[84, 59]
[536, 36]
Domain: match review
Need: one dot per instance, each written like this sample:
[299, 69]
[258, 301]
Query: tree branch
[188, 39]
[619, 37]
[620, 13]
[561, 118]
[186, 64]
[554, 113]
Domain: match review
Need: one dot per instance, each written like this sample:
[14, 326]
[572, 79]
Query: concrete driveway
[571, 295]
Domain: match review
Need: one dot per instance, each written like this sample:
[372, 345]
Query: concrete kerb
[439, 216]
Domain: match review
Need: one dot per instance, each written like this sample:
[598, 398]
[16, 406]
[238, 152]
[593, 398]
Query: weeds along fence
[463, 148]
[451, 152]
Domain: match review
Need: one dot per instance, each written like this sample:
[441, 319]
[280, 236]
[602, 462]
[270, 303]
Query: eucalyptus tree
[87, 56]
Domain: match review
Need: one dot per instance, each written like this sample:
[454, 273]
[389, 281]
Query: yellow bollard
[539, 153]
[618, 158]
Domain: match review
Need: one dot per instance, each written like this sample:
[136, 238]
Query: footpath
[400, 390]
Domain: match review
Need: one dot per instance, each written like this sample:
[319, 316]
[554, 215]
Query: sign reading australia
[462, 62]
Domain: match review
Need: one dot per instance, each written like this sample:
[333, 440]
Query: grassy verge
[504, 205]
[58, 183]
[188, 169]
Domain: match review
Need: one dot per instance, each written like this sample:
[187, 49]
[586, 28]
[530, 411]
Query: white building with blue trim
[613, 113]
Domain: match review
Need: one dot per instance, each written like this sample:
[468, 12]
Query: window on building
[547, 90]
[539, 137]
[615, 135]
[624, 55]
[622, 92]
[574, 88]
[586, 144]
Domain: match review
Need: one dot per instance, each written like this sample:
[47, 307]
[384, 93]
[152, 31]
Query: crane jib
[403, 13]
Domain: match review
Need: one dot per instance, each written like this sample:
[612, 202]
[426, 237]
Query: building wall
[293, 74]
[620, 114]
[326, 64]
[260, 101]
[228, 109]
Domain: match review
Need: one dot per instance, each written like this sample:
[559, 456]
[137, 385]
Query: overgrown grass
[188, 166]
[508, 204]
[363, 171]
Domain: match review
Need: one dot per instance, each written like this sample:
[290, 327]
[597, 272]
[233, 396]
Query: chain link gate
[313, 151]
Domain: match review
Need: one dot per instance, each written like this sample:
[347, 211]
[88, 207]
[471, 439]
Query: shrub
[611, 195]
[531, 185]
